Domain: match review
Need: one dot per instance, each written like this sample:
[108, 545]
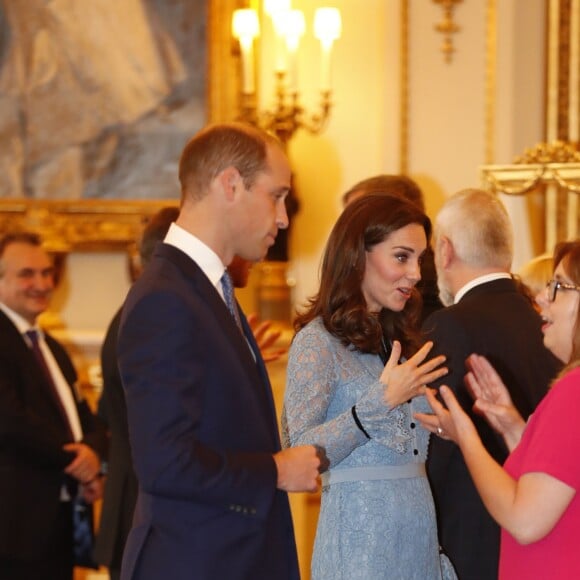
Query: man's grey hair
[478, 226]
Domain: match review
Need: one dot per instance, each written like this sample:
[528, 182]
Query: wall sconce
[288, 115]
[447, 27]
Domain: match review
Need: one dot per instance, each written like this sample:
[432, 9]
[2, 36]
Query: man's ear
[446, 251]
[230, 180]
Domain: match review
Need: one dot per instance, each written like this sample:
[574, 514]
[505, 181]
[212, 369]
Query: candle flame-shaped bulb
[327, 25]
[294, 28]
[272, 7]
[245, 27]
[245, 24]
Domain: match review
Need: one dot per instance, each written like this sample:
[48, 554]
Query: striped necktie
[228, 289]
[37, 352]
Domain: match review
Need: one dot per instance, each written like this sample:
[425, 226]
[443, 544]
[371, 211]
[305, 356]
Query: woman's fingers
[450, 400]
[483, 371]
[395, 355]
[429, 422]
[473, 385]
[422, 353]
[485, 382]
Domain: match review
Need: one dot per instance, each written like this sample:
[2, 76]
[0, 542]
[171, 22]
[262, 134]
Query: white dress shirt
[63, 389]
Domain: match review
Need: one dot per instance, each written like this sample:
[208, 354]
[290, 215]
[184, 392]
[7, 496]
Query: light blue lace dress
[368, 529]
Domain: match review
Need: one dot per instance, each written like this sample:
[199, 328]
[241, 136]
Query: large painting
[97, 100]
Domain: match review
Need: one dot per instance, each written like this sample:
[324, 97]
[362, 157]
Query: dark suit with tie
[32, 434]
[121, 485]
[203, 430]
[495, 320]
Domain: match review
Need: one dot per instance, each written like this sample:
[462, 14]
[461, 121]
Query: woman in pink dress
[533, 496]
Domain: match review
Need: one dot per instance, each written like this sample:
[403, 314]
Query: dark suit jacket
[496, 321]
[121, 484]
[32, 434]
[203, 430]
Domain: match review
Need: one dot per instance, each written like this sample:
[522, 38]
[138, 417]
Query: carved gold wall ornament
[447, 27]
[554, 152]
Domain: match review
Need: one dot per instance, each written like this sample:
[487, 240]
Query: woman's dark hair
[340, 302]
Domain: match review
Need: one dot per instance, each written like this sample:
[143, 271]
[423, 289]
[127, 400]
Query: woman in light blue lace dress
[377, 518]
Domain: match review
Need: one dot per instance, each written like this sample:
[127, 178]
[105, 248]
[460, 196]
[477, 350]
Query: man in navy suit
[49, 439]
[121, 488]
[213, 481]
[487, 313]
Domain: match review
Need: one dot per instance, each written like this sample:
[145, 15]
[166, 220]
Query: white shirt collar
[477, 282]
[21, 324]
[200, 253]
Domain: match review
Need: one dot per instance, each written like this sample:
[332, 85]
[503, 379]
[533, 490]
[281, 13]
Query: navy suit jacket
[203, 430]
[495, 320]
[32, 435]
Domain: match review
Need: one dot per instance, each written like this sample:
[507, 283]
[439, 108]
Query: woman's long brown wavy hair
[340, 303]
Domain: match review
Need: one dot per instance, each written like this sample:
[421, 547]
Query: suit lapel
[254, 368]
[263, 374]
[15, 342]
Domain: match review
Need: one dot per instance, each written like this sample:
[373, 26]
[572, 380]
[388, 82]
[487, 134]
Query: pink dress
[550, 444]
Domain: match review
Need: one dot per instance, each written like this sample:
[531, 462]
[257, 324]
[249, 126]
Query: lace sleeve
[311, 379]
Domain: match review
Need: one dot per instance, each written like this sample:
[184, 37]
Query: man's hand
[93, 490]
[299, 467]
[265, 338]
[86, 465]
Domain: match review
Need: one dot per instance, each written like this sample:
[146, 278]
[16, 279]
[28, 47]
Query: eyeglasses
[554, 285]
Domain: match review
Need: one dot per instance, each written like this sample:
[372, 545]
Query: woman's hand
[407, 380]
[493, 401]
[451, 423]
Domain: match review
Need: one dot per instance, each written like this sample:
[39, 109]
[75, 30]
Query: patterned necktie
[228, 289]
[35, 347]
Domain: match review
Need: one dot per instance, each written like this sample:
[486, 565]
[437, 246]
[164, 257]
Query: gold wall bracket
[448, 27]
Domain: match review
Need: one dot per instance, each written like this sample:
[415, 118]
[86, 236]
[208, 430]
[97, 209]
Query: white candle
[553, 38]
[279, 26]
[248, 80]
[574, 103]
[325, 70]
[245, 27]
[327, 28]
[295, 27]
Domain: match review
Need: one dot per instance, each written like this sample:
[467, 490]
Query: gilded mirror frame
[104, 225]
